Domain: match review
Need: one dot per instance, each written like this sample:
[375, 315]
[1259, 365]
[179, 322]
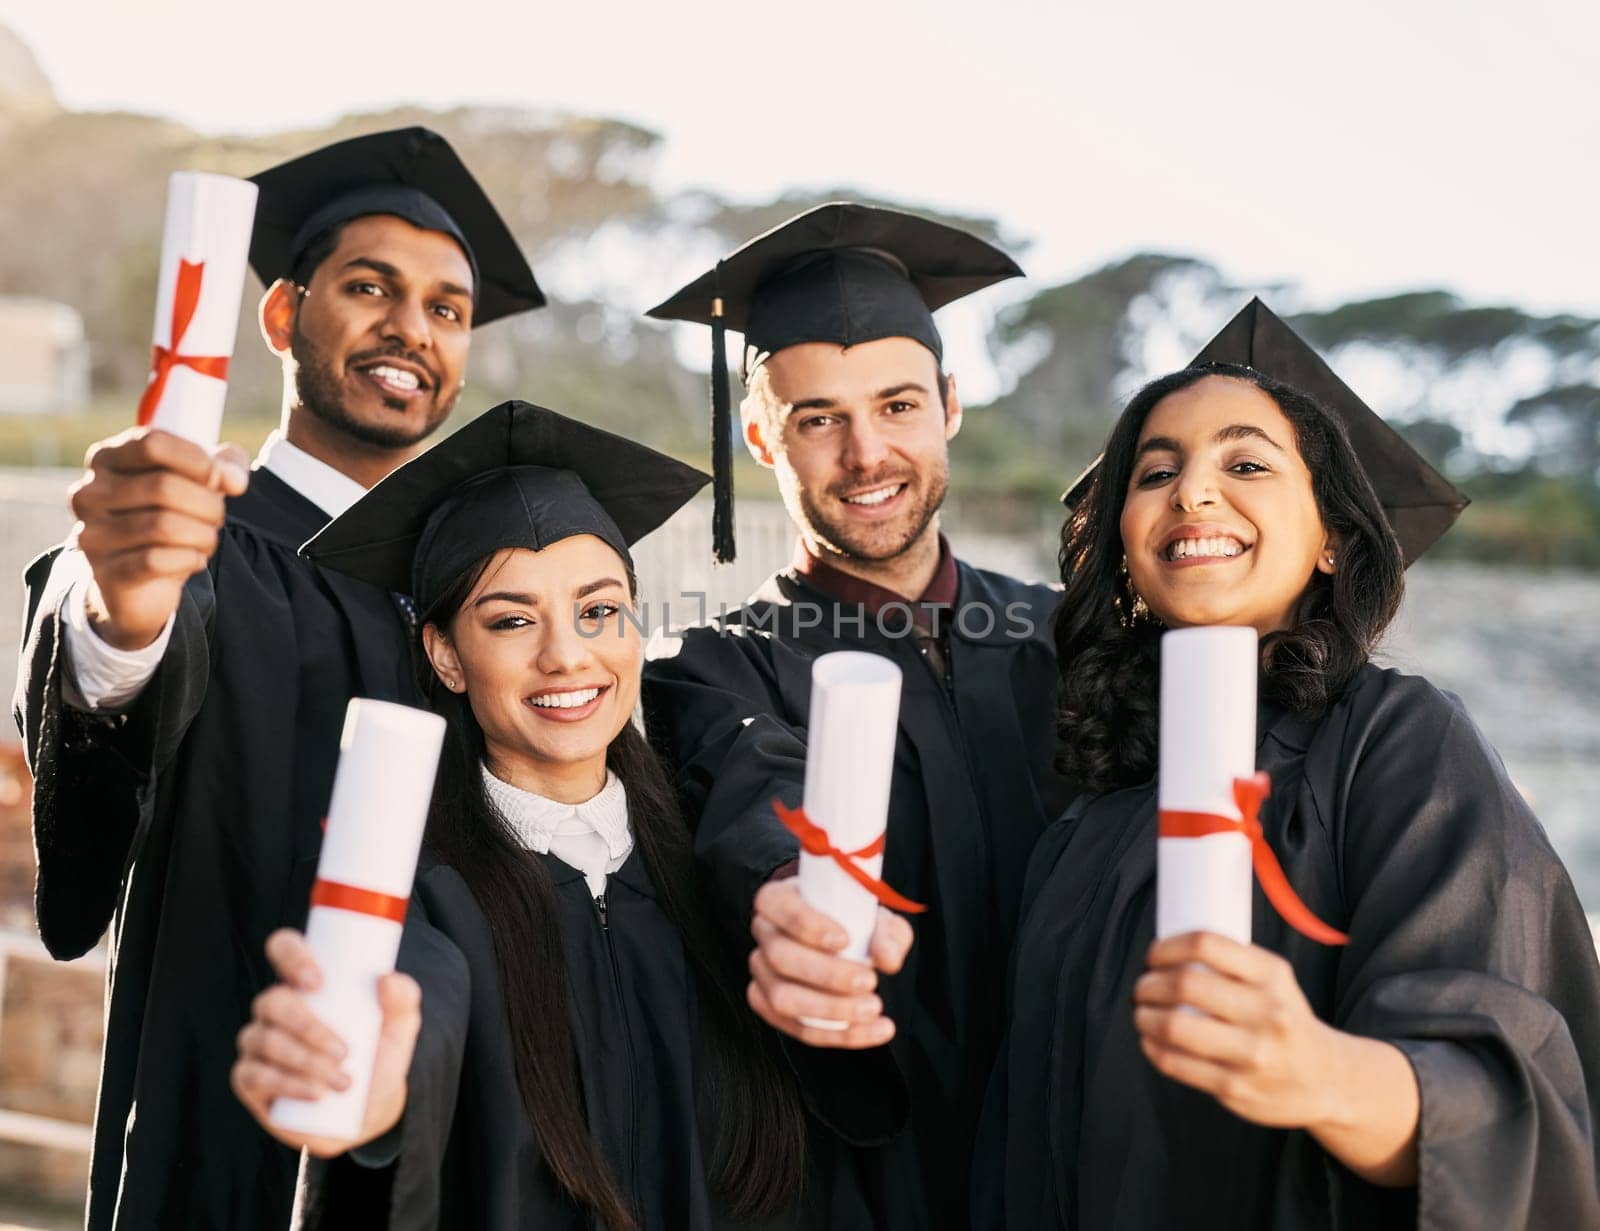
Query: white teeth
[566, 700]
[877, 497]
[1186, 549]
[398, 377]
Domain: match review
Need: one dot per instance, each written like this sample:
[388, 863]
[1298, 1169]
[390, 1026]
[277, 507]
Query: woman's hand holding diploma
[284, 1051]
[1231, 1020]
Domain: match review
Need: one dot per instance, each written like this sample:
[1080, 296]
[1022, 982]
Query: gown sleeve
[1470, 952]
[714, 709]
[94, 774]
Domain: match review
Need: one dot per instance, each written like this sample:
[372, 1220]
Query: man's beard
[317, 390]
[876, 543]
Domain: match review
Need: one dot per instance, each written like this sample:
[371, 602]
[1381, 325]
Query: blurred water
[1522, 650]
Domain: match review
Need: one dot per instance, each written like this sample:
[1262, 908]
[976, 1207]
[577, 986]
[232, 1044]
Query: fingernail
[861, 983]
[868, 1009]
[341, 1081]
[836, 940]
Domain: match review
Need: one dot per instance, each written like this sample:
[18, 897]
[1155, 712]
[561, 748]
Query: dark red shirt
[925, 610]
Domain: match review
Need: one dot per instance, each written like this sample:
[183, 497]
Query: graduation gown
[466, 1153]
[973, 785]
[191, 825]
[1395, 821]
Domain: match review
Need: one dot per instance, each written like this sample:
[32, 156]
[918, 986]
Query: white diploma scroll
[855, 718]
[205, 250]
[387, 759]
[1208, 739]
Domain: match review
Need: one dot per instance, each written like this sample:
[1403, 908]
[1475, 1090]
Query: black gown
[192, 826]
[466, 1154]
[973, 786]
[1395, 821]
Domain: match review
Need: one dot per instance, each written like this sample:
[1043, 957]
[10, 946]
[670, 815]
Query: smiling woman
[541, 644]
[1220, 522]
[585, 1056]
[1441, 1067]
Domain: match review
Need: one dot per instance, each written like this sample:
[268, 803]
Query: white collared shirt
[100, 677]
[594, 837]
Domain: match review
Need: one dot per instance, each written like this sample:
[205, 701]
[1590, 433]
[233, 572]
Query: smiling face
[379, 339]
[548, 662]
[858, 439]
[1220, 522]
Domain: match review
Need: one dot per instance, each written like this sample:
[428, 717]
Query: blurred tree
[1068, 348]
[1565, 423]
[83, 195]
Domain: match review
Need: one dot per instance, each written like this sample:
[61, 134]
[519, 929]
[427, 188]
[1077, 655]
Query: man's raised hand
[149, 507]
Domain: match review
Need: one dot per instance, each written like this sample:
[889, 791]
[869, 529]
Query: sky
[1351, 149]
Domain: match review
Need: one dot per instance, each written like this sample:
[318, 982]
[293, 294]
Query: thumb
[400, 999]
[891, 941]
[230, 470]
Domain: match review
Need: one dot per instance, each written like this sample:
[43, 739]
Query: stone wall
[51, 1018]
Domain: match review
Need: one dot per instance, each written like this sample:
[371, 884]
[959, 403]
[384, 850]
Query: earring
[1137, 610]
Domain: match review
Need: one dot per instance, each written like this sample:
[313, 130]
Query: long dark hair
[758, 1153]
[1107, 643]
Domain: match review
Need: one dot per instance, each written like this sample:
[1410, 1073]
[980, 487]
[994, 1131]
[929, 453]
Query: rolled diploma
[1208, 738]
[381, 789]
[855, 718]
[209, 220]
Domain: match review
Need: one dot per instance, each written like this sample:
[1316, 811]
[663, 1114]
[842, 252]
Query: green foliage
[1077, 336]
[1439, 322]
[1523, 517]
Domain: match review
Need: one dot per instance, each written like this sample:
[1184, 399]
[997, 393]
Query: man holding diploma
[185, 673]
[849, 405]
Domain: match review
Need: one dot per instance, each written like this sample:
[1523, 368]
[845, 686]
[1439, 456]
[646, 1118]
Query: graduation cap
[516, 476]
[838, 273]
[411, 173]
[1419, 502]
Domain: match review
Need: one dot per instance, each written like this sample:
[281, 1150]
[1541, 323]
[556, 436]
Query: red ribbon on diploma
[814, 841]
[361, 901]
[163, 359]
[1249, 793]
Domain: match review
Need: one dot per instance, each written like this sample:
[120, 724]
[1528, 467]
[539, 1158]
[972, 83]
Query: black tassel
[722, 547]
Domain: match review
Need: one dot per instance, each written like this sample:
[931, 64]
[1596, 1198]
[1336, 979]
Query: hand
[1255, 1045]
[285, 1052]
[149, 508]
[795, 971]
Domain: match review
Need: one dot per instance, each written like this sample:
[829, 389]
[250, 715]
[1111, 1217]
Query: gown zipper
[602, 910]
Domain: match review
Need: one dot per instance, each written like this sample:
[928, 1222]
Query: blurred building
[44, 357]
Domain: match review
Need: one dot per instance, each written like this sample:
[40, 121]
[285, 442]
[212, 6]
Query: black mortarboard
[411, 173]
[1419, 502]
[516, 476]
[837, 273]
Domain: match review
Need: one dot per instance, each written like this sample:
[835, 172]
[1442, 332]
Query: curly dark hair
[1108, 644]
